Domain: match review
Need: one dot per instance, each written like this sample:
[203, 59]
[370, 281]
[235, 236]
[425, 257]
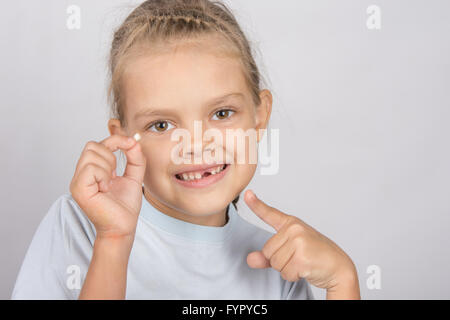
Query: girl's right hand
[112, 203]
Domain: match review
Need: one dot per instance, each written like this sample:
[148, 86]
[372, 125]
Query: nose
[199, 143]
[196, 149]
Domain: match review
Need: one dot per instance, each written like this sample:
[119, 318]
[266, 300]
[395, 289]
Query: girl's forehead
[188, 53]
[183, 74]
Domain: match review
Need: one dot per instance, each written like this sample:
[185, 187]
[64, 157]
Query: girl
[166, 230]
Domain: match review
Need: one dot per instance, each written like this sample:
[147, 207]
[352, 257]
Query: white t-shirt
[170, 259]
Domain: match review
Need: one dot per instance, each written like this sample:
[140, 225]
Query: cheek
[245, 145]
[247, 169]
[158, 159]
[244, 174]
[245, 121]
[245, 148]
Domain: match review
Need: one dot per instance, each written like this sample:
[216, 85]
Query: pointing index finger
[268, 214]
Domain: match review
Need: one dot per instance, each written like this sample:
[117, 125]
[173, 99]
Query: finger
[281, 257]
[274, 243]
[268, 214]
[117, 141]
[290, 271]
[136, 162]
[94, 178]
[257, 260]
[103, 151]
[91, 156]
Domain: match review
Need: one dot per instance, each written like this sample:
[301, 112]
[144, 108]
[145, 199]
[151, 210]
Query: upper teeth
[198, 175]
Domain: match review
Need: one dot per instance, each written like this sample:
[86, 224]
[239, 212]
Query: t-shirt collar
[186, 229]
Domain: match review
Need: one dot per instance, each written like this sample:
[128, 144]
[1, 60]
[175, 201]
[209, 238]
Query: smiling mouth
[194, 176]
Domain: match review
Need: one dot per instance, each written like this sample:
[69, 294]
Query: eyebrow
[213, 102]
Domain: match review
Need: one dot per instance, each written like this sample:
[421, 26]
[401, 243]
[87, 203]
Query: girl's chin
[202, 206]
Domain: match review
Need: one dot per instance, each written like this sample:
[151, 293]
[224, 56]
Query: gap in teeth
[197, 175]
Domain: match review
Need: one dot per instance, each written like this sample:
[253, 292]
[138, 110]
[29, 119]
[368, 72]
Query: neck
[213, 220]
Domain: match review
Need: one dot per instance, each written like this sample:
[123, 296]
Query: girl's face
[170, 90]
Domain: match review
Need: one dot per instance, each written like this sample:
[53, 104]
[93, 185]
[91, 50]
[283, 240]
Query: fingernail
[252, 194]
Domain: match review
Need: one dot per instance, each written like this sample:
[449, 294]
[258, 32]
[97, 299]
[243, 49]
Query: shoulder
[69, 218]
[64, 222]
[63, 239]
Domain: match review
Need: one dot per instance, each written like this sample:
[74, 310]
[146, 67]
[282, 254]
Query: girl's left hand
[299, 251]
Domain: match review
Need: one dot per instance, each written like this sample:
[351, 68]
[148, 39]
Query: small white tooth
[191, 176]
[185, 176]
[137, 137]
[213, 172]
[198, 175]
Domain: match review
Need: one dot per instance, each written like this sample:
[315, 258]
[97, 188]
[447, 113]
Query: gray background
[363, 118]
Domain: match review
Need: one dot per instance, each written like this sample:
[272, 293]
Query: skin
[184, 81]
[197, 75]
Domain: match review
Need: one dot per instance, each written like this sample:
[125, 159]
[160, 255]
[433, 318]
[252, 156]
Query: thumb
[136, 162]
[257, 260]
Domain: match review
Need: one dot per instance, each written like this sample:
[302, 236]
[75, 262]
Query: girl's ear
[115, 128]
[263, 111]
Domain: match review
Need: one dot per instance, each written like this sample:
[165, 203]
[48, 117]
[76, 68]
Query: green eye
[160, 126]
[223, 114]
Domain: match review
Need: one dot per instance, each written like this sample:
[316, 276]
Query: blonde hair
[155, 24]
